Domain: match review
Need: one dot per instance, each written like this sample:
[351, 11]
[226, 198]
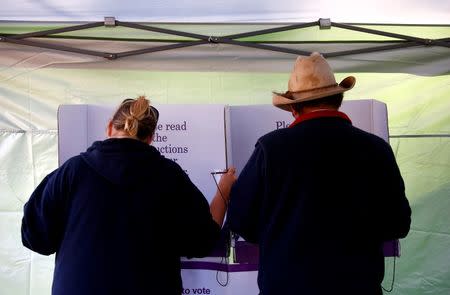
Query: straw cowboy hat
[312, 78]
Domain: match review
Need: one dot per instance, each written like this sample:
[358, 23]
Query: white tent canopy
[350, 11]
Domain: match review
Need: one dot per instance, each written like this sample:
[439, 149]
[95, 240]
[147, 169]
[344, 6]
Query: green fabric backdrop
[418, 105]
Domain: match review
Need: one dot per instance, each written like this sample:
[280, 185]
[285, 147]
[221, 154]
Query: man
[321, 196]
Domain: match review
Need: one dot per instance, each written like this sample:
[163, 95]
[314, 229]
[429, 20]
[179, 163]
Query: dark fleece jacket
[320, 198]
[118, 216]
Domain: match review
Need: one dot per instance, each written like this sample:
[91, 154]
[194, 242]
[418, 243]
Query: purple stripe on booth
[246, 252]
[205, 265]
[247, 258]
[391, 248]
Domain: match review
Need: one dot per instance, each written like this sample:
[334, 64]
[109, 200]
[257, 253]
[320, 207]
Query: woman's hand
[226, 182]
[219, 203]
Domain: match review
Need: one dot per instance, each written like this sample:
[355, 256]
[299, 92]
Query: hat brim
[283, 102]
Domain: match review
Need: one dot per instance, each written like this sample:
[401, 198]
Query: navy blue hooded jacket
[119, 217]
[320, 198]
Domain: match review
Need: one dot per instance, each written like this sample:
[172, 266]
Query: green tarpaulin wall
[415, 84]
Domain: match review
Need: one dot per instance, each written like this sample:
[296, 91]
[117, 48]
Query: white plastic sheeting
[374, 11]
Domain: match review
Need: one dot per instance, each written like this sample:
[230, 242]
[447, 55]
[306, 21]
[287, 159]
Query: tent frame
[405, 40]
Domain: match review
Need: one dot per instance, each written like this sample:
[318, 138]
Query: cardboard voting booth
[194, 137]
[248, 123]
[191, 135]
[203, 139]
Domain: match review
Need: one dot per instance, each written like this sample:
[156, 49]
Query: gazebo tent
[414, 81]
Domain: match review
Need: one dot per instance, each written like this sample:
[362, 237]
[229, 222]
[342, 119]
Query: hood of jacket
[123, 161]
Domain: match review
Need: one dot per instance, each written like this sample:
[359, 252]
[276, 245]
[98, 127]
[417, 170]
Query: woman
[119, 216]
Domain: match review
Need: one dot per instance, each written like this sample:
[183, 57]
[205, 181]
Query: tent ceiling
[350, 11]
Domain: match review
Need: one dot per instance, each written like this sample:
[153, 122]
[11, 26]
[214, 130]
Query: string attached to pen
[393, 280]
[393, 272]
[223, 259]
[217, 185]
[226, 272]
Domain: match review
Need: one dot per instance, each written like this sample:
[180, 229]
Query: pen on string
[219, 172]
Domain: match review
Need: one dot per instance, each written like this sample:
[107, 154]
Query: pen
[219, 172]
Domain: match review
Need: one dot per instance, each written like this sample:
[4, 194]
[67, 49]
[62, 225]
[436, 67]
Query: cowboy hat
[311, 78]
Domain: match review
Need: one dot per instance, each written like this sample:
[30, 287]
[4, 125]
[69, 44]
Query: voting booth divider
[203, 139]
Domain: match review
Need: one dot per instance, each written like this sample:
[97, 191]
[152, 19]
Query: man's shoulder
[275, 135]
[371, 143]
[370, 137]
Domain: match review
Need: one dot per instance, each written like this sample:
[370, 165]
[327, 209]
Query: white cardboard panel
[380, 121]
[198, 281]
[248, 123]
[72, 131]
[191, 135]
[369, 115]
